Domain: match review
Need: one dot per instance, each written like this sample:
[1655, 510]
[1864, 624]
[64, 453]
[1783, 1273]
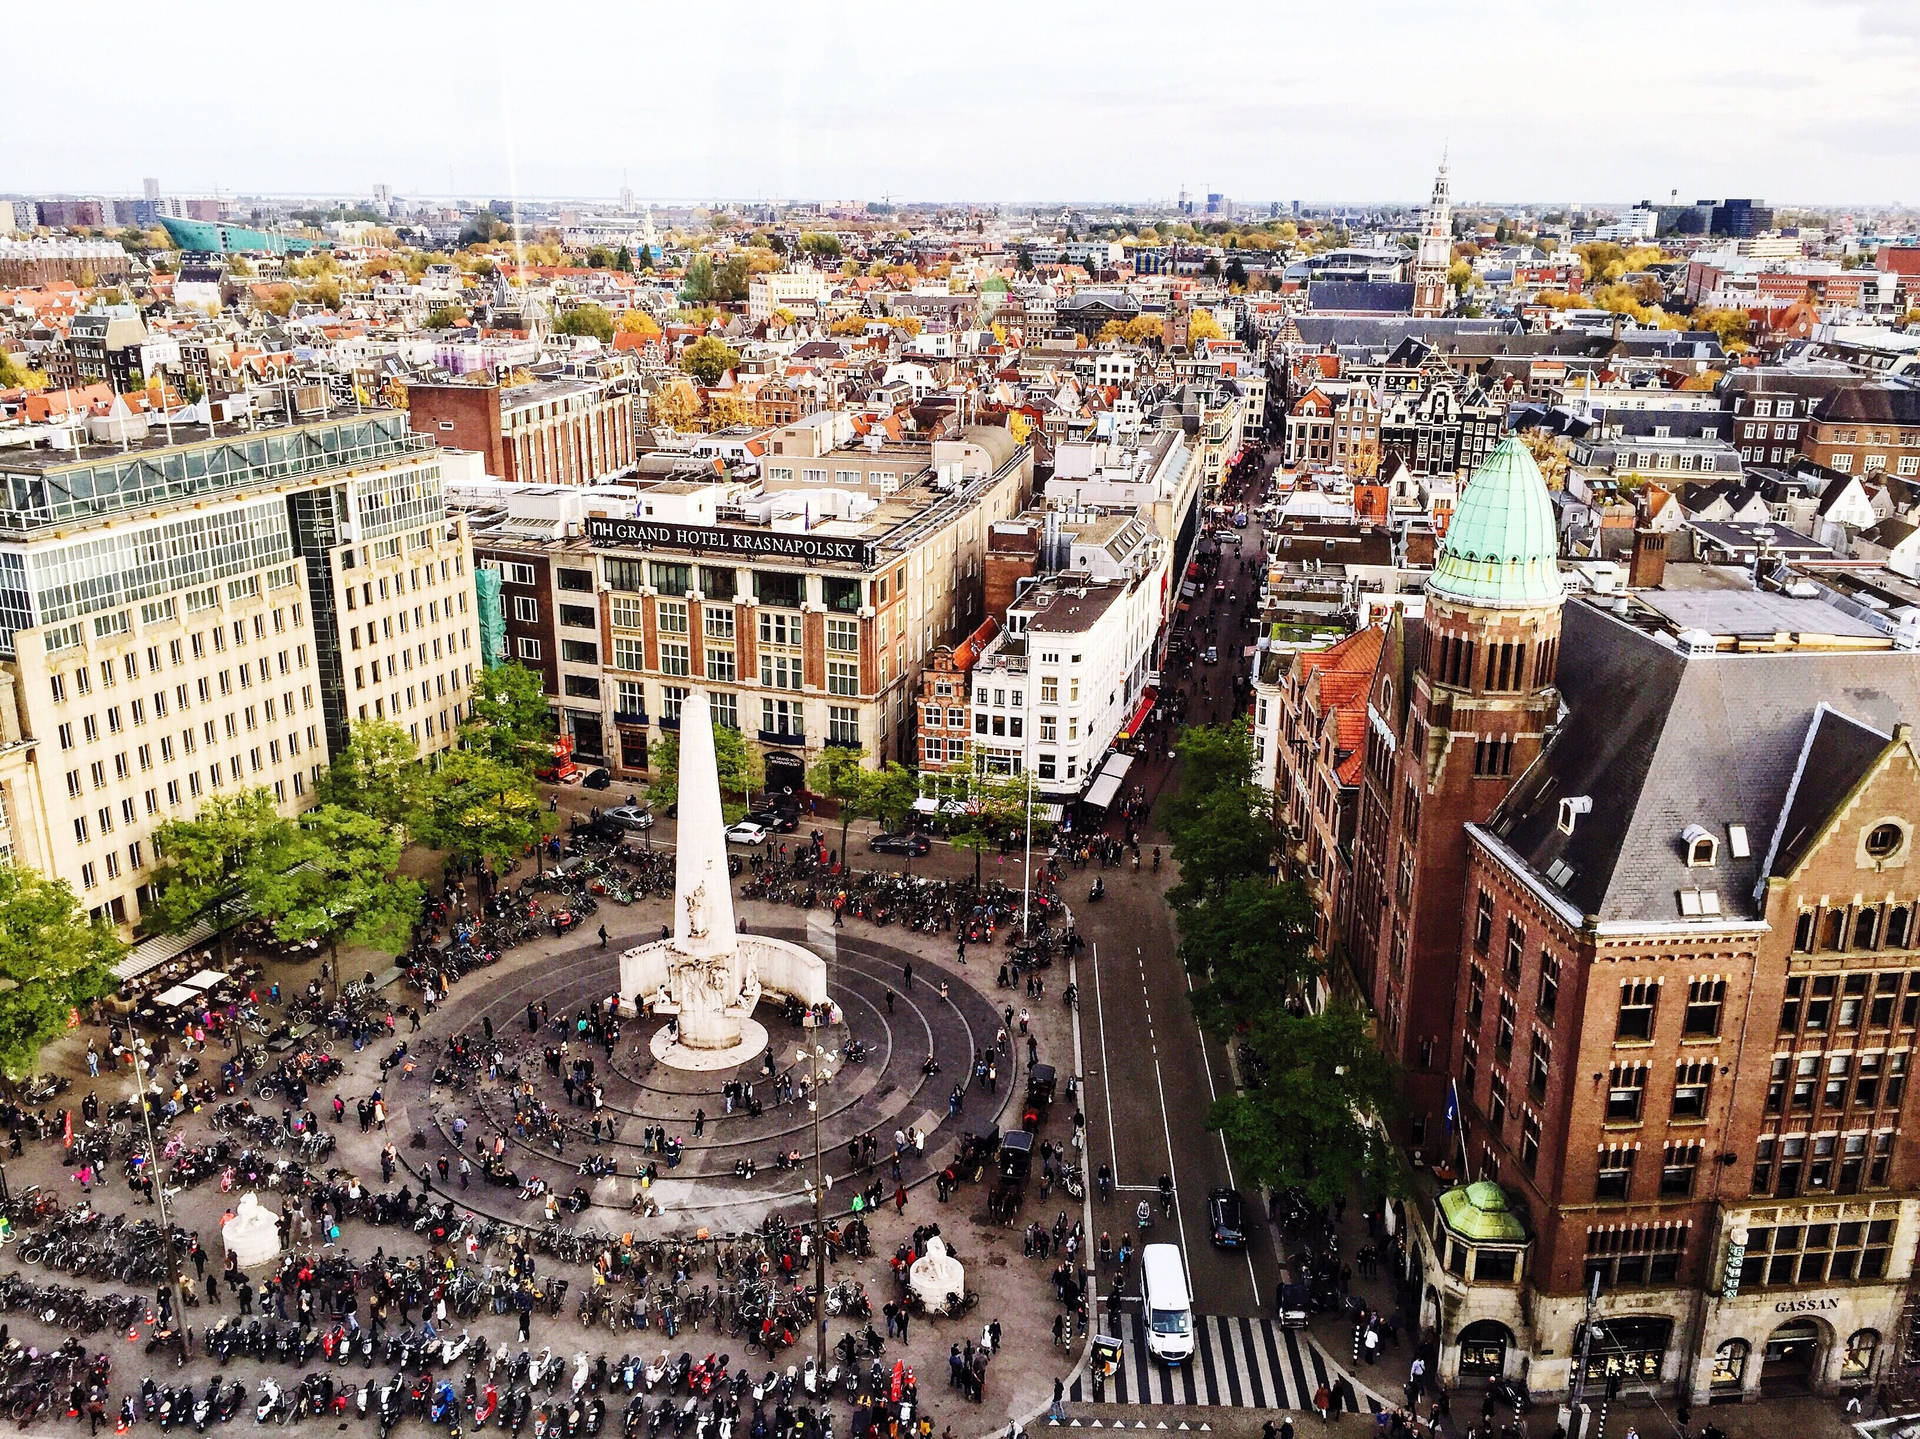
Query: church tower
[1480, 695]
[1435, 254]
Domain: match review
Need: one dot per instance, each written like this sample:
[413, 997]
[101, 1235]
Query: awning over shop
[1049, 813]
[152, 953]
[1149, 697]
[1106, 784]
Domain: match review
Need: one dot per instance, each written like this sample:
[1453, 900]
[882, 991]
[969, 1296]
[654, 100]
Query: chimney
[1649, 565]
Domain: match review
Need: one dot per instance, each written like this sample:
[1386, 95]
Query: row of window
[1819, 1003]
[231, 723]
[717, 582]
[1873, 926]
[1824, 1163]
[777, 716]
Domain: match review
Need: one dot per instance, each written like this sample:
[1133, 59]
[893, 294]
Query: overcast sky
[1790, 100]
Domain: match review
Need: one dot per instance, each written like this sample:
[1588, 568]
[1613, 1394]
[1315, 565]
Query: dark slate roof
[1874, 405]
[1327, 332]
[1837, 753]
[1360, 296]
[1658, 740]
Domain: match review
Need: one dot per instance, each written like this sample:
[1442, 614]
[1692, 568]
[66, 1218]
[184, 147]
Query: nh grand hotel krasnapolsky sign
[708, 539]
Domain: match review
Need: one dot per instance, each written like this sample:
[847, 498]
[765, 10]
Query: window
[780, 630]
[781, 717]
[1884, 840]
[1627, 1093]
[526, 610]
[1476, 994]
[717, 582]
[779, 671]
[580, 581]
[512, 572]
[581, 687]
[1692, 1082]
[1503, 1031]
[726, 709]
[668, 578]
[671, 616]
[843, 636]
[1677, 1169]
[628, 654]
[1497, 1102]
[1548, 999]
[1820, 1253]
[843, 677]
[1820, 1002]
[1705, 997]
[624, 612]
[1539, 1066]
[675, 659]
[583, 652]
[721, 666]
[1613, 1176]
[772, 588]
[1629, 1256]
[843, 725]
[840, 593]
[672, 699]
[1638, 998]
[1516, 950]
[1791, 1000]
[527, 649]
[1483, 922]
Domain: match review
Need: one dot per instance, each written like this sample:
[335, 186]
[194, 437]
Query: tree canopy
[509, 719]
[839, 774]
[709, 358]
[742, 768]
[337, 884]
[479, 808]
[1320, 1090]
[213, 859]
[376, 773]
[594, 320]
[53, 960]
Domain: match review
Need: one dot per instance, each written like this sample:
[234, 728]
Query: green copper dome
[1502, 547]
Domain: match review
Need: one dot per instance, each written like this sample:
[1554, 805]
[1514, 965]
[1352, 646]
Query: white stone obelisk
[705, 963]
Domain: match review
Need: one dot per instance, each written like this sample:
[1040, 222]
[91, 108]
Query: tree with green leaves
[338, 885]
[446, 317]
[623, 259]
[594, 320]
[996, 810]
[1315, 1118]
[839, 775]
[709, 358]
[509, 719]
[209, 864]
[377, 773]
[696, 285]
[891, 796]
[644, 261]
[479, 808]
[53, 960]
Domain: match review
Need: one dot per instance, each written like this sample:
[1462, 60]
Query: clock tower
[1435, 254]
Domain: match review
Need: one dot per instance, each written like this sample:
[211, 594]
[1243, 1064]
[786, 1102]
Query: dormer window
[1571, 808]
[1702, 848]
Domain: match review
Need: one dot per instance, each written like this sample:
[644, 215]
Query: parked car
[905, 843]
[746, 832]
[780, 821]
[629, 816]
[598, 779]
[1226, 1218]
[1212, 656]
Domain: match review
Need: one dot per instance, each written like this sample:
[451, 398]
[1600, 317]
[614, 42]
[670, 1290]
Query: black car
[598, 779]
[1226, 1218]
[783, 821]
[900, 844]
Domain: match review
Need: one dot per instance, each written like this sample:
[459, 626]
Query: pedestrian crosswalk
[1237, 1361]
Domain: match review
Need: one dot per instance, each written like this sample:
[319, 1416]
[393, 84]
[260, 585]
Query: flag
[69, 1128]
[1453, 1105]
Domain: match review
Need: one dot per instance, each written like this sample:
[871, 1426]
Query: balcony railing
[630, 717]
[781, 736]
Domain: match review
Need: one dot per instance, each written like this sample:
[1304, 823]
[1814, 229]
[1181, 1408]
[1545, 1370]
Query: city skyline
[1021, 108]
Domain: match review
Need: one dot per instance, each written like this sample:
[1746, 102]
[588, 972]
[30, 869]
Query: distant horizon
[1004, 100]
[480, 199]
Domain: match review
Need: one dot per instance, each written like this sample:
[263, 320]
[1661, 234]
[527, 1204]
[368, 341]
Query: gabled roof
[1839, 751]
[1337, 680]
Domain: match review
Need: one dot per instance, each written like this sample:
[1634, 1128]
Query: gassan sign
[716, 539]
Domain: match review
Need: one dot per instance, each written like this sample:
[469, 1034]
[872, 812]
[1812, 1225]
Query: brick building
[1866, 430]
[1644, 941]
[552, 432]
[945, 710]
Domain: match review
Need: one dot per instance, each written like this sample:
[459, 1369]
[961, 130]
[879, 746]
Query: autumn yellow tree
[1549, 455]
[1111, 331]
[1144, 328]
[725, 410]
[674, 405]
[636, 322]
[1202, 326]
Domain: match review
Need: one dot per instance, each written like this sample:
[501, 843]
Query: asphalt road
[1152, 1075]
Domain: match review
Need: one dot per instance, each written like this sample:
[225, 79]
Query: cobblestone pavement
[701, 1194]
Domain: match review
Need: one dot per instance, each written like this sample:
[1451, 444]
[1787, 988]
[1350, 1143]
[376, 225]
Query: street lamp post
[1026, 763]
[142, 1068]
[813, 1054]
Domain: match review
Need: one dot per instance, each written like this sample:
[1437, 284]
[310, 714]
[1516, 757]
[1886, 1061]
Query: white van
[1167, 1305]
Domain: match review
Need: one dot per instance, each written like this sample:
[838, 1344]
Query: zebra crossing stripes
[1238, 1362]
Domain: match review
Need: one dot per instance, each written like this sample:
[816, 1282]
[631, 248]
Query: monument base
[668, 1050]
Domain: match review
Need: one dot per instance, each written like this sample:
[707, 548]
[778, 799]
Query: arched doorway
[1483, 1349]
[786, 773]
[1791, 1362]
[1730, 1367]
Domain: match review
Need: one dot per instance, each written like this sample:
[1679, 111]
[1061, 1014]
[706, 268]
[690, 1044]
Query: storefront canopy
[1106, 784]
